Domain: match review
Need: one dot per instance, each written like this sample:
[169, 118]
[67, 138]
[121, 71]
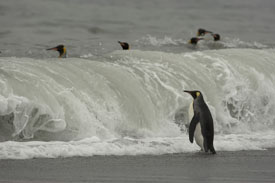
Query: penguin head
[61, 49]
[216, 37]
[202, 32]
[124, 45]
[194, 40]
[195, 93]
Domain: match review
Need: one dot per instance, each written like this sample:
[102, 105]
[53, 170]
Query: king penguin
[124, 45]
[61, 49]
[216, 37]
[202, 32]
[201, 124]
[194, 40]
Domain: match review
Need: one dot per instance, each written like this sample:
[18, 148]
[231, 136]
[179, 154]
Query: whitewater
[132, 102]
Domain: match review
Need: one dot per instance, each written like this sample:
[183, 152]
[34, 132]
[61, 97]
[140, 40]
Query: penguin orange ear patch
[64, 50]
[198, 94]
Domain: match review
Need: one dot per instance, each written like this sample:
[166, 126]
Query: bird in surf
[124, 45]
[61, 49]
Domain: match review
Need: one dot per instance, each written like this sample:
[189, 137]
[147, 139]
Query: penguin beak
[191, 93]
[121, 44]
[189, 41]
[55, 48]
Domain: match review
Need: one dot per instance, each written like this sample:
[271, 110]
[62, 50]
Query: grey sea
[104, 114]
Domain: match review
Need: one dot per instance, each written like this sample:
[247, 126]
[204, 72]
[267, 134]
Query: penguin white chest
[197, 134]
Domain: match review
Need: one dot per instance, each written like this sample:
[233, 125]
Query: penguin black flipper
[192, 127]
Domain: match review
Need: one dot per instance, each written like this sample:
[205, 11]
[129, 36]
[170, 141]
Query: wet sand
[241, 166]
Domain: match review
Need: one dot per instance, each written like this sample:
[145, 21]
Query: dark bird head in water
[124, 45]
[216, 37]
[194, 93]
[61, 49]
[194, 40]
[202, 32]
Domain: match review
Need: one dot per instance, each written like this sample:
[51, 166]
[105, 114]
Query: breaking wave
[132, 102]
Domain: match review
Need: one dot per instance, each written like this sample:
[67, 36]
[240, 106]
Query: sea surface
[102, 100]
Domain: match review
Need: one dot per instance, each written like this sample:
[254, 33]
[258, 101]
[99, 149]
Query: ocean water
[102, 100]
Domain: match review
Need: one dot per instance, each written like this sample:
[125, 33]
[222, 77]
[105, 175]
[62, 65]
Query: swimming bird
[124, 45]
[194, 40]
[61, 49]
[202, 32]
[216, 37]
[201, 124]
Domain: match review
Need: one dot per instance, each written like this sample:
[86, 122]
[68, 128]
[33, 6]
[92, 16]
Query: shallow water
[105, 101]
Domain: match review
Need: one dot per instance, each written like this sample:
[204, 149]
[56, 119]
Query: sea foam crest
[137, 95]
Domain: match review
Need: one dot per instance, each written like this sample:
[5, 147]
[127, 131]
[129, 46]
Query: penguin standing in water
[201, 125]
[124, 45]
[61, 49]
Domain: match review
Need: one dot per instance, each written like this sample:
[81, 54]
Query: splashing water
[132, 102]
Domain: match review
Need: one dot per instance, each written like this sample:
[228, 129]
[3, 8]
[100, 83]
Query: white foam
[131, 146]
[237, 43]
[89, 55]
[205, 44]
[26, 112]
[125, 104]
[154, 41]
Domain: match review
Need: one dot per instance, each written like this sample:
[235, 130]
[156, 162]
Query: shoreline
[225, 166]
